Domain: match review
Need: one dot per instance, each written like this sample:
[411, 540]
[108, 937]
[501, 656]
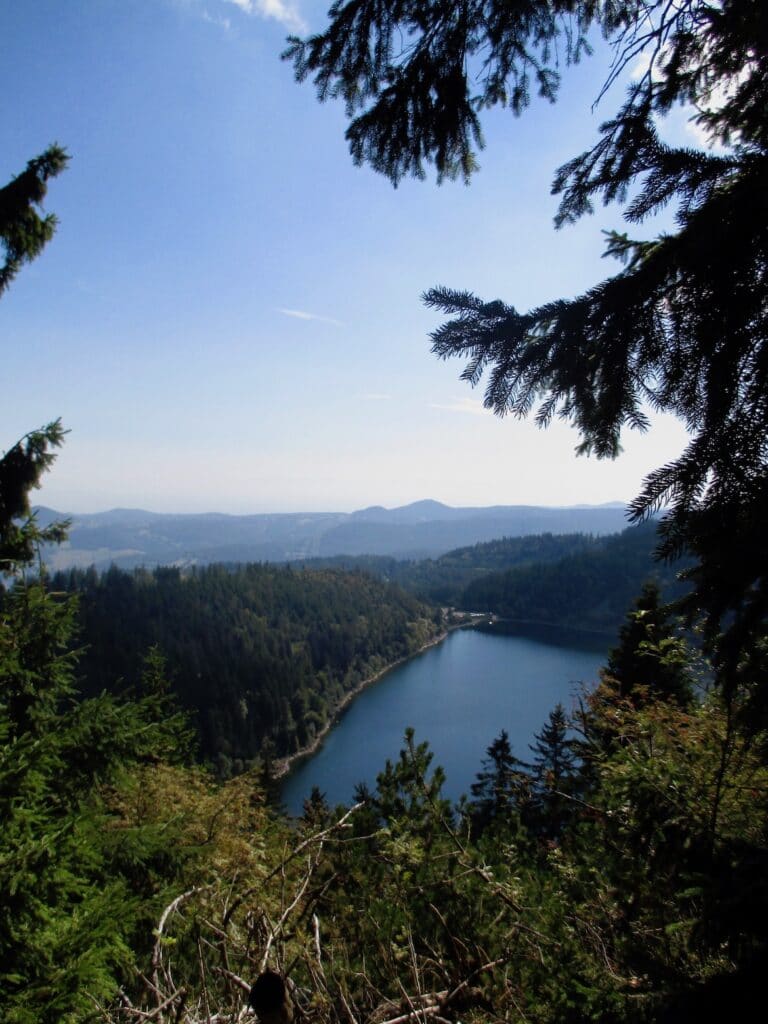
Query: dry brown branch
[157, 952]
[157, 1012]
[414, 1015]
[348, 1011]
[316, 936]
[203, 982]
[241, 983]
[316, 837]
[277, 929]
[464, 984]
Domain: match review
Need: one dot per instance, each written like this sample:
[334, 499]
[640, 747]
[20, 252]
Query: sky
[229, 317]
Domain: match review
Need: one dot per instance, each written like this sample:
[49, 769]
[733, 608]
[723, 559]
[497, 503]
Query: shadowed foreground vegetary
[396, 910]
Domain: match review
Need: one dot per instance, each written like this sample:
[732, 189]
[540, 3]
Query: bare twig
[345, 1004]
[241, 983]
[157, 952]
[316, 933]
[426, 1011]
[277, 929]
[316, 837]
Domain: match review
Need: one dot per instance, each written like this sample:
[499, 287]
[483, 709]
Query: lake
[458, 696]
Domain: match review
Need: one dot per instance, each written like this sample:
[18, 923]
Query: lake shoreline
[456, 696]
[284, 765]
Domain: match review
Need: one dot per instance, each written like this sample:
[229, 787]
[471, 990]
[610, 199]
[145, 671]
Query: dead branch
[157, 952]
[316, 837]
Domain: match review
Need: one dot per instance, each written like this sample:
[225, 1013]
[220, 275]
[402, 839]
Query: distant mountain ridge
[423, 529]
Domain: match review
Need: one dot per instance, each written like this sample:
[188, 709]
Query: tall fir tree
[553, 776]
[501, 790]
[652, 660]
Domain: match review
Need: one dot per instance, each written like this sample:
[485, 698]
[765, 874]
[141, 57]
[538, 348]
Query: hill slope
[424, 529]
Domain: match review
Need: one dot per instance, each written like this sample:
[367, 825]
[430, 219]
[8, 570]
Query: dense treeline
[588, 589]
[443, 580]
[258, 653]
[262, 654]
[563, 579]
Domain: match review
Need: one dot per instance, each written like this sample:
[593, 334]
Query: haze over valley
[423, 529]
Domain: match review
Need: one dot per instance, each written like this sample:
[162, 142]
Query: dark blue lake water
[458, 696]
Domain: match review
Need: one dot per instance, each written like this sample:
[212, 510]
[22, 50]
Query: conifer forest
[616, 870]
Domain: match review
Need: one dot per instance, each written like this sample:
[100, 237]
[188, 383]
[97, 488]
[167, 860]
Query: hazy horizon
[323, 511]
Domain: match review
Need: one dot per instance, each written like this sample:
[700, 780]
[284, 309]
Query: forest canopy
[260, 655]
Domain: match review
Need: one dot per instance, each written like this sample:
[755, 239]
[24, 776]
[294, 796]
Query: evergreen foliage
[60, 938]
[646, 901]
[589, 588]
[23, 235]
[501, 789]
[651, 654]
[682, 327]
[256, 653]
[570, 579]
[20, 470]
[444, 580]
[554, 774]
[23, 232]
[70, 910]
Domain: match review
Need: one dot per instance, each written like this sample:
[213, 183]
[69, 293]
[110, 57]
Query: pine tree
[23, 231]
[316, 812]
[553, 772]
[502, 787]
[651, 660]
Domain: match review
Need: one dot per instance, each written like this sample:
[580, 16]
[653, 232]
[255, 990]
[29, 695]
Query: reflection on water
[458, 696]
[554, 636]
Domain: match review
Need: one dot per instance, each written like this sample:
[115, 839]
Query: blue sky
[229, 318]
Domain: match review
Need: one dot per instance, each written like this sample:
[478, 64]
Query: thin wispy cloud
[467, 406]
[300, 314]
[221, 22]
[283, 11]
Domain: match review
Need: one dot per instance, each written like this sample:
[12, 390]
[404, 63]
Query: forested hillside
[443, 580]
[130, 538]
[589, 588]
[256, 653]
[572, 580]
[261, 654]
